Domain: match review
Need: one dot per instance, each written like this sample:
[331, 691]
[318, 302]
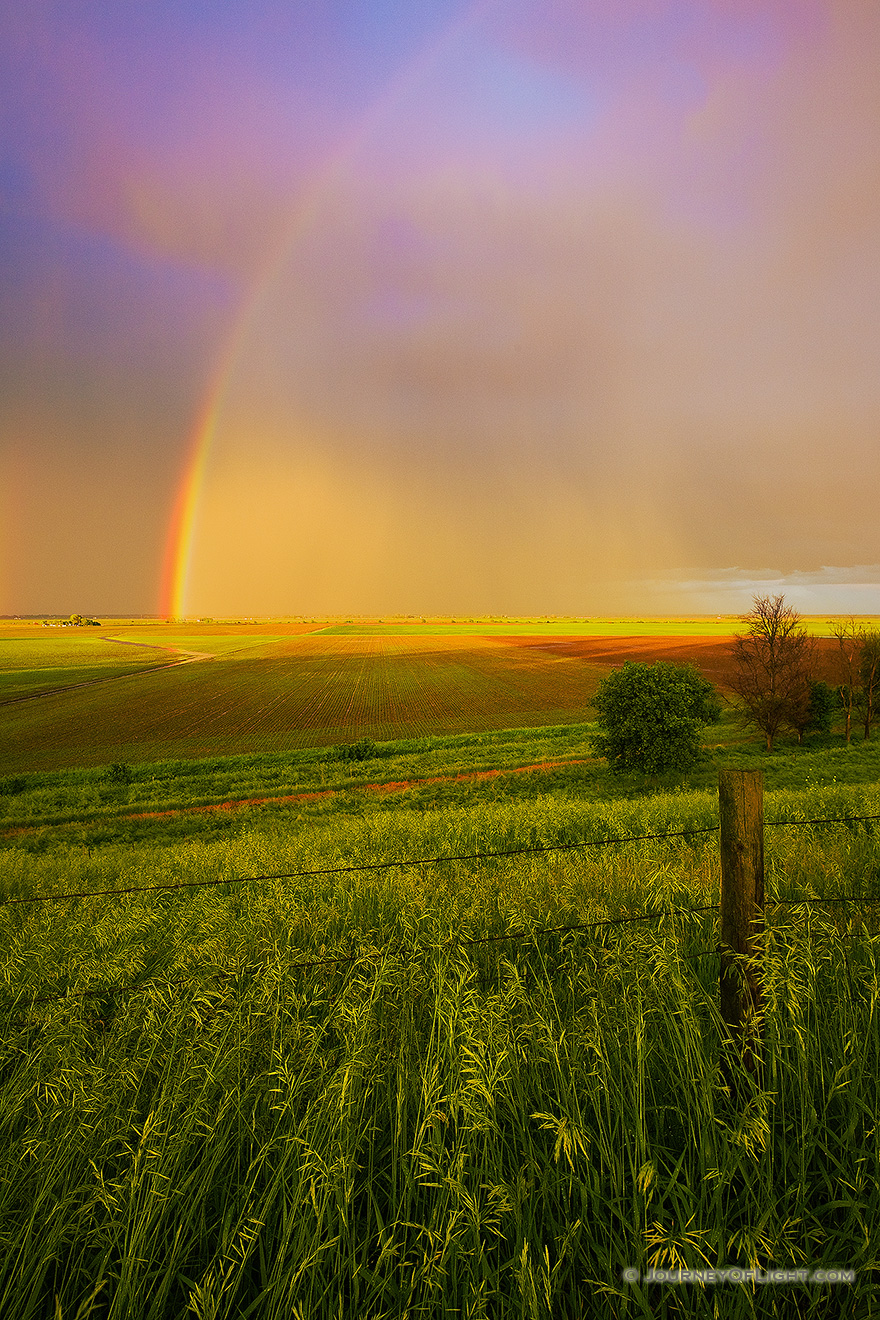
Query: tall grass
[434, 1128]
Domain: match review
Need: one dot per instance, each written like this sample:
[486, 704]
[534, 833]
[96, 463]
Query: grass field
[218, 796]
[432, 1127]
[327, 1091]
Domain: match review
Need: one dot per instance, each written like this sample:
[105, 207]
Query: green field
[327, 1074]
[702, 626]
[273, 694]
[32, 663]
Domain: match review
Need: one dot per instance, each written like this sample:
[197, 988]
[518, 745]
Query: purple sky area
[522, 306]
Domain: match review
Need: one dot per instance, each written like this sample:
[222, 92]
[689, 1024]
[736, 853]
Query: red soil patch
[394, 786]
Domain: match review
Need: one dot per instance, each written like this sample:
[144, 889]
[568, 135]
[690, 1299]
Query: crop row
[303, 691]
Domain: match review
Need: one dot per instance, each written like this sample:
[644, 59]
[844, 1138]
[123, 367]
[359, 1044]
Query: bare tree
[850, 638]
[773, 660]
[869, 671]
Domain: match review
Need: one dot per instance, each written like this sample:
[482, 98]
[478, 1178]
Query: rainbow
[180, 538]
[176, 573]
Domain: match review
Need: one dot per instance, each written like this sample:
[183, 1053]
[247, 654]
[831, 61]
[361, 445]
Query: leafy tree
[823, 704]
[869, 672]
[816, 713]
[850, 638]
[773, 660]
[651, 716]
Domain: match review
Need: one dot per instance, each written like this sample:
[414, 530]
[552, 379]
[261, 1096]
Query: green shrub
[363, 750]
[650, 716]
[823, 707]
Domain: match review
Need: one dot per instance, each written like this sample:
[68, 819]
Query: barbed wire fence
[741, 895]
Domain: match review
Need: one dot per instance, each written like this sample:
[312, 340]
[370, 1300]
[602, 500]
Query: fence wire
[402, 863]
[399, 863]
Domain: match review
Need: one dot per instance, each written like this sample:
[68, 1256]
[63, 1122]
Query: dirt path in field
[188, 658]
[157, 646]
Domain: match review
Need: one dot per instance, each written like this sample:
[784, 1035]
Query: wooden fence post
[741, 810]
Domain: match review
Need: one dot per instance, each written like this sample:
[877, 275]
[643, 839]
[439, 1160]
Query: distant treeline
[75, 621]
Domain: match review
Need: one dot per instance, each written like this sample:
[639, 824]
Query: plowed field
[713, 656]
[268, 694]
[223, 690]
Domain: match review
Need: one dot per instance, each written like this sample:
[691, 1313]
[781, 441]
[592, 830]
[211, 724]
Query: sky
[429, 307]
